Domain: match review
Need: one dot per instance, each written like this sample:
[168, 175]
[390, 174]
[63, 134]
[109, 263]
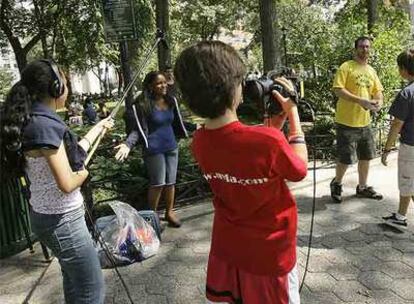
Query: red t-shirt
[255, 216]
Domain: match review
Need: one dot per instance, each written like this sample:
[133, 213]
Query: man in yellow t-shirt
[359, 90]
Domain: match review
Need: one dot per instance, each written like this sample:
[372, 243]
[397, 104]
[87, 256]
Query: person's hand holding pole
[103, 126]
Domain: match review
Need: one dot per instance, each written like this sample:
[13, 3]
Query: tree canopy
[319, 34]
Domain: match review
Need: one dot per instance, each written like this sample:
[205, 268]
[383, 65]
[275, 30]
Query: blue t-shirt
[403, 109]
[161, 137]
[46, 130]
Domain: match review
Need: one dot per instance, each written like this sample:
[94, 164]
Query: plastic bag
[127, 235]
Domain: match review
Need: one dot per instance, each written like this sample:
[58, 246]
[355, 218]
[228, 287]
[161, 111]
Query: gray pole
[163, 24]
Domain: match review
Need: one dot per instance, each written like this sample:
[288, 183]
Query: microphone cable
[108, 254]
[312, 219]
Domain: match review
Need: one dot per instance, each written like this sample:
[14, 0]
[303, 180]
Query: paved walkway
[354, 258]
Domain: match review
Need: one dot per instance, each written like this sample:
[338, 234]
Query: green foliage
[391, 38]
[6, 79]
[72, 30]
[21, 17]
[318, 41]
[319, 37]
[310, 43]
[197, 20]
[81, 43]
[310, 37]
[79, 40]
[202, 19]
[351, 22]
[318, 92]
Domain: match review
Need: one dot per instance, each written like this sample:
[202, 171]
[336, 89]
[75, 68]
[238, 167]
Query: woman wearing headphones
[38, 144]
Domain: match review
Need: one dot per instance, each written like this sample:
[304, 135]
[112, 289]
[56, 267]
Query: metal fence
[191, 186]
[15, 232]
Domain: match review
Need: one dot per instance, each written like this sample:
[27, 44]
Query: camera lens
[252, 91]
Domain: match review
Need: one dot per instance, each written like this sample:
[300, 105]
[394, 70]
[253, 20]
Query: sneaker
[336, 191]
[394, 222]
[368, 192]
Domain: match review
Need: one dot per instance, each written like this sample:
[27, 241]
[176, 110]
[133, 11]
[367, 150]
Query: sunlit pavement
[354, 257]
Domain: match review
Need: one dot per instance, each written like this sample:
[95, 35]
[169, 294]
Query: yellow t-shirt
[360, 80]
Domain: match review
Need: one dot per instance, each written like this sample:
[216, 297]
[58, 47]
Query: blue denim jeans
[68, 238]
[162, 168]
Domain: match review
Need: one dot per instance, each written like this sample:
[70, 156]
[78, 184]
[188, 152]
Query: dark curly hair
[208, 74]
[34, 86]
[146, 99]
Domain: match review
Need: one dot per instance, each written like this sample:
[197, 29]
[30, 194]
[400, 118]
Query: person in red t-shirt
[253, 251]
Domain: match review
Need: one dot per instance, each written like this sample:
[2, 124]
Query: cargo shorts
[354, 144]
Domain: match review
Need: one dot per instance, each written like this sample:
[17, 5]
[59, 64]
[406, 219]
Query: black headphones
[57, 87]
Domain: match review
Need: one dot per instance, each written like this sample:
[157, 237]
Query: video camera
[259, 91]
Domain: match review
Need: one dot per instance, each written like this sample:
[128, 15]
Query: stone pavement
[354, 258]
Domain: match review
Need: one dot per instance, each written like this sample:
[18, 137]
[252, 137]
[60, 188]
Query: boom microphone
[161, 35]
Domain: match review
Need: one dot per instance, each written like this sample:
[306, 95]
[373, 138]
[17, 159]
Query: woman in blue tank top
[156, 123]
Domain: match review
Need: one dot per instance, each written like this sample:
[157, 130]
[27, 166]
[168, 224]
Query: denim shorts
[162, 168]
[69, 239]
[354, 144]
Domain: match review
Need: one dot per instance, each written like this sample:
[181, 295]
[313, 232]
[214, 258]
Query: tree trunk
[120, 81]
[162, 16]
[270, 35]
[98, 75]
[44, 47]
[126, 72]
[20, 52]
[39, 14]
[107, 89]
[21, 58]
[372, 8]
[68, 84]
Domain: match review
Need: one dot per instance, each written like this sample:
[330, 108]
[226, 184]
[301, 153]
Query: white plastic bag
[127, 235]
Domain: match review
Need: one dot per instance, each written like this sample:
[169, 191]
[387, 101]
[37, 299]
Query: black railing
[191, 186]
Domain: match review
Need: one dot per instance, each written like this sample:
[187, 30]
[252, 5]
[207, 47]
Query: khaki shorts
[406, 170]
[354, 144]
